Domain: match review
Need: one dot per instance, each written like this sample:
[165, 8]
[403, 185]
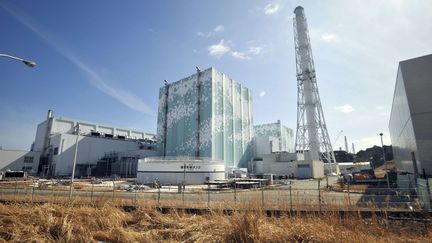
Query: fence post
[290, 193]
[349, 198]
[91, 194]
[262, 195]
[32, 191]
[16, 188]
[158, 196]
[235, 192]
[183, 191]
[136, 191]
[319, 195]
[388, 197]
[52, 191]
[113, 191]
[208, 194]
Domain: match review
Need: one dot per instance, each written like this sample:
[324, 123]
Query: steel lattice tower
[312, 137]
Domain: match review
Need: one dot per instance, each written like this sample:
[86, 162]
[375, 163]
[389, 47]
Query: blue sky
[104, 61]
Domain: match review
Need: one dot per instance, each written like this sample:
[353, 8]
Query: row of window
[28, 159]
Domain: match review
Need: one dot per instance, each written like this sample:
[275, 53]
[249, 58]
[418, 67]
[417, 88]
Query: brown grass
[57, 223]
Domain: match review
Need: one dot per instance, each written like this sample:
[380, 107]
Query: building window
[55, 150]
[28, 159]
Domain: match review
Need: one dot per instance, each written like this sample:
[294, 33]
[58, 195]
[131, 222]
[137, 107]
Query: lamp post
[386, 175]
[28, 63]
[74, 162]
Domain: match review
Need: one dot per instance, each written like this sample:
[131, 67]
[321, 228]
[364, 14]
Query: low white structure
[175, 171]
[19, 160]
[286, 164]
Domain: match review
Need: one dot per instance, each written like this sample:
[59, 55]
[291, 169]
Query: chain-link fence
[291, 195]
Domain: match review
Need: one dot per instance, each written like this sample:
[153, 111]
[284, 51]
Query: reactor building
[206, 115]
[273, 137]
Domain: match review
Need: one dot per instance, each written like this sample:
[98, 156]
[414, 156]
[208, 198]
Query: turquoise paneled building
[206, 115]
[282, 137]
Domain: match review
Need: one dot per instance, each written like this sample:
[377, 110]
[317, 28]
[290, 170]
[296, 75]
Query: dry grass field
[106, 223]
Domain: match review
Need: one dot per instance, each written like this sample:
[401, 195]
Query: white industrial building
[178, 170]
[102, 150]
[287, 164]
[56, 139]
[274, 154]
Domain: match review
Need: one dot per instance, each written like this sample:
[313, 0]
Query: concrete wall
[18, 160]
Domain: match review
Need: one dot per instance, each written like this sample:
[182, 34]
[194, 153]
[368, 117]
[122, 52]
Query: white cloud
[216, 30]
[219, 29]
[262, 93]
[329, 37]
[255, 50]
[218, 50]
[240, 55]
[252, 51]
[345, 108]
[199, 33]
[271, 8]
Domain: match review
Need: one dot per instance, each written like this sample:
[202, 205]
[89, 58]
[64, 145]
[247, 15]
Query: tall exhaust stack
[312, 137]
[346, 145]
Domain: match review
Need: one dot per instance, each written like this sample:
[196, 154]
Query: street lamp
[28, 63]
[386, 174]
[74, 162]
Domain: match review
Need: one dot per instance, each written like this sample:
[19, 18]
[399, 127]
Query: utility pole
[198, 104]
[385, 163]
[74, 162]
[165, 126]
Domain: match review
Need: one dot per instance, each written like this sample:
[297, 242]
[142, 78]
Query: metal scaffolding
[312, 137]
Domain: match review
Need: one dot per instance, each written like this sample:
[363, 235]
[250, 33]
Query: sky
[104, 61]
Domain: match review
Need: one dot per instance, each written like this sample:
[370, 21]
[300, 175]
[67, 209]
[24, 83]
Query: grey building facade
[411, 116]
